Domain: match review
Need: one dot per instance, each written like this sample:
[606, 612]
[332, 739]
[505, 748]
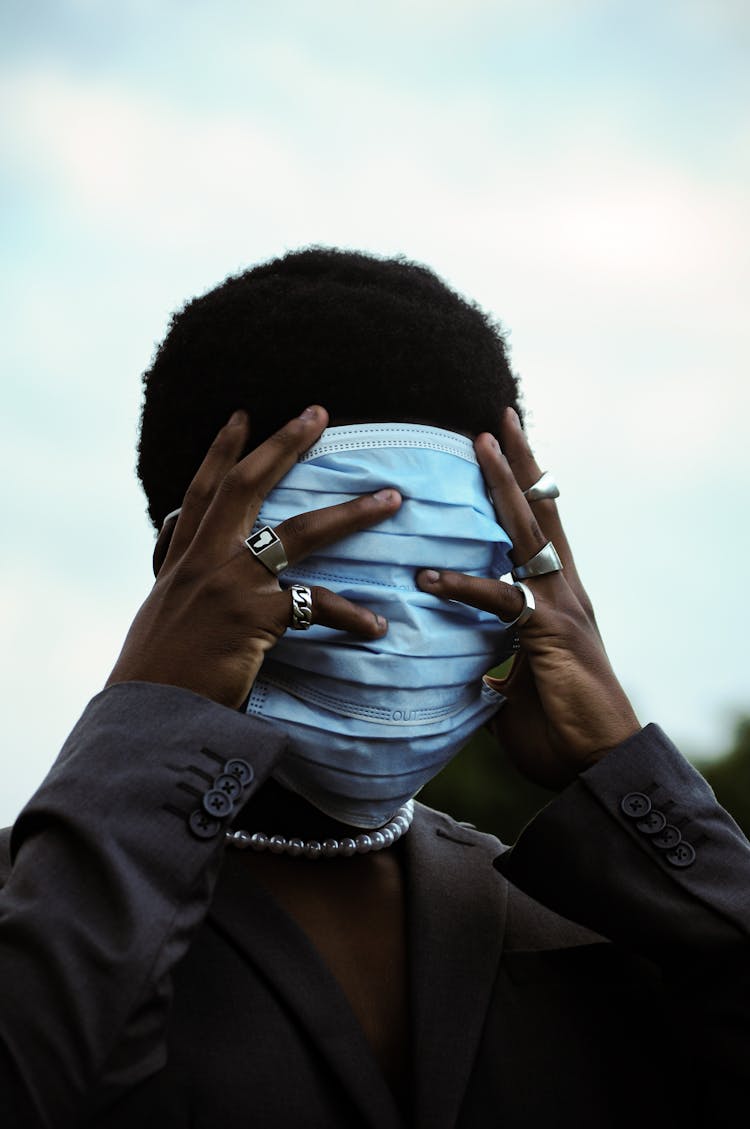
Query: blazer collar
[455, 915]
[281, 951]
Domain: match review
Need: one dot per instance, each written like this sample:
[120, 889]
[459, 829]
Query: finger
[513, 511]
[307, 532]
[525, 467]
[515, 444]
[517, 517]
[179, 530]
[495, 596]
[526, 472]
[332, 610]
[240, 494]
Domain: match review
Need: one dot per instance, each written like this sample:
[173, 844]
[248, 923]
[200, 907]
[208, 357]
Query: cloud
[143, 168]
[611, 248]
[712, 16]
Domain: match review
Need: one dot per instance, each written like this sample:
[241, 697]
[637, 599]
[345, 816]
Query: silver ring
[266, 546]
[301, 607]
[544, 487]
[529, 605]
[546, 560]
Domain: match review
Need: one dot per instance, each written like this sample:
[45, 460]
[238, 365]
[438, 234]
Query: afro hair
[370, 338]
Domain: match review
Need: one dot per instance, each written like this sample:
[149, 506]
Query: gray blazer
[596, 974]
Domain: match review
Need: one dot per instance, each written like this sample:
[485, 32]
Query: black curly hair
[369, 338]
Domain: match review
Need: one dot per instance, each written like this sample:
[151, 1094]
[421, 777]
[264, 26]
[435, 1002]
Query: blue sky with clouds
[579, 168]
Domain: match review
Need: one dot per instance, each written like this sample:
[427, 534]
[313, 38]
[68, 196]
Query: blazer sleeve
[639, 850]
[113, 865]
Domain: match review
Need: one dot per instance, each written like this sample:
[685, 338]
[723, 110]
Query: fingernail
[386, 495]
[237, 418]
[430, 576]
[309, 413]
[381, 622]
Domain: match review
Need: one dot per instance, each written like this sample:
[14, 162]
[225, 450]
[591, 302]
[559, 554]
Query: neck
[277, 811]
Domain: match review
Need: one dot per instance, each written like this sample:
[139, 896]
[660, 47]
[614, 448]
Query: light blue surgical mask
[371, 721]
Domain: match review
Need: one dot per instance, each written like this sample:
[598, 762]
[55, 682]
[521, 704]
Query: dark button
[241, 769]
[229, 785]
[217, 803]
[203, 825]
[635, 805]
[668, 837]
[681, 855]
[653, 823]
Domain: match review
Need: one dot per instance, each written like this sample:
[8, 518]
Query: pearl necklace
[329, 848]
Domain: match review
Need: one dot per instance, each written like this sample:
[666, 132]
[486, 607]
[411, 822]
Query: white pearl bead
[241, 839]
[330, 848]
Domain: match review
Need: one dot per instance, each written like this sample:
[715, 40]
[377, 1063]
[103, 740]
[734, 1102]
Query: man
[365, 962]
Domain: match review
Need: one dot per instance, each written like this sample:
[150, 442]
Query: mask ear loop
[163, 539]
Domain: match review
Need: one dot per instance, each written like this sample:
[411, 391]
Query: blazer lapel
[275, 944]
[456, 907]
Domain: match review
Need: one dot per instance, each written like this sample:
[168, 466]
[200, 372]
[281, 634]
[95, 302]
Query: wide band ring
[266, 547]
[544, 487]
[301, 607]
[546, 560]
[529, 605]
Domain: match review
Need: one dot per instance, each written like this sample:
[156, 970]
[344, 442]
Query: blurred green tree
[481, 786]
[730, 775]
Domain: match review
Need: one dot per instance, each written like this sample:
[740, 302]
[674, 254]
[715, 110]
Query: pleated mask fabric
[371, 721]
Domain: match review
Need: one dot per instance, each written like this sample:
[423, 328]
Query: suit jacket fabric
[584, 977]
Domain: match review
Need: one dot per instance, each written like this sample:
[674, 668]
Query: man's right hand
[215, 610]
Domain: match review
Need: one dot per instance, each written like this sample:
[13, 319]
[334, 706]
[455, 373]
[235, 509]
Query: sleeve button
[241, 769]
[202, 825]
[653, 823]
[635, 805]
[668, 837]
[681, 855]
[217, 803]
[229, 785]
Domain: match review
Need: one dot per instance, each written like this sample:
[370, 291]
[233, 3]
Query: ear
[163, 541]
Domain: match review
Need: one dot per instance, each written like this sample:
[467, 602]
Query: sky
[580, 168]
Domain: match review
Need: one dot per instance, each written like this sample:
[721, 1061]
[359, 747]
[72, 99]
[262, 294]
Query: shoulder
[439, 840]
[445, 826]
[470, 855]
